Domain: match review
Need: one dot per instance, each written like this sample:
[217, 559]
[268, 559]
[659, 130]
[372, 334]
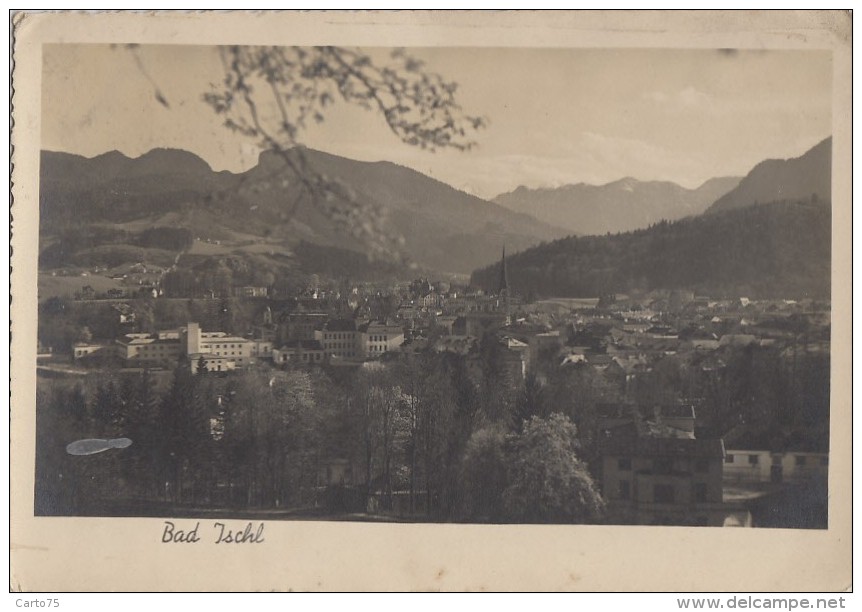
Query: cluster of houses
[652, 467]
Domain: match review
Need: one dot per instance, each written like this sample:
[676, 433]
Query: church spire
[504, 275]
[503, 289]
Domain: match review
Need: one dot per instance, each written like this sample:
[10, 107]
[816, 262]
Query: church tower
[503, 292]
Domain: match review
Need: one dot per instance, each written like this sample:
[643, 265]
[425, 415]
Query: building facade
[299, 352]
[342, 340]
[759, 466]
[655, 472]
[218, 351]
[380, 338]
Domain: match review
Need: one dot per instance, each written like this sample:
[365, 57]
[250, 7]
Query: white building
[381, 338]
[766, 466]
[219, 350]
[342, 339]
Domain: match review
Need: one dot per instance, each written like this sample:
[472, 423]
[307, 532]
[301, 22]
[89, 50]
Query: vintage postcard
[325, 301]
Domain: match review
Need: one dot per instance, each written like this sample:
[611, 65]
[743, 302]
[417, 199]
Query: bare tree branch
[269, 93]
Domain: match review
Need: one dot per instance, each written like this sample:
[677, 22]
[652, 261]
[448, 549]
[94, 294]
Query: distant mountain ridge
[623, 205]
[801, 177]
[771, 236]
[114, 165]
[444, 229]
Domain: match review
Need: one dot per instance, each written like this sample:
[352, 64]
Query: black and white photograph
[434, 284]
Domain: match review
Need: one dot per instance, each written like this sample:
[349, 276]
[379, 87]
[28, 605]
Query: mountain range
[620, 206]
[443, 229]
[169, 206]
[768, 237]
[783, 179]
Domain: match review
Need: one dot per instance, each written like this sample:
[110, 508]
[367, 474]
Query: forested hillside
[777, 250]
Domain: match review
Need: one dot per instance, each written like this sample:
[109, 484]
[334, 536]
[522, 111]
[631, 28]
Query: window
[624, 491]
[753, 460]
[824, 461]
[800, 460]
[663, 465]
[700, 492]
[728, 459]
[701, 465]
[624, 464]
[663, 494]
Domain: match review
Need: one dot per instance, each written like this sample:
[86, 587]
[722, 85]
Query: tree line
[782, 249]
[425, 438]
[77, 243]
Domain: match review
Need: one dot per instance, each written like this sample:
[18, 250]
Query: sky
[555, 116]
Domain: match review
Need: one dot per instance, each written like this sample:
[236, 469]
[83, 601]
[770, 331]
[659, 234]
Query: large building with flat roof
[217, 350]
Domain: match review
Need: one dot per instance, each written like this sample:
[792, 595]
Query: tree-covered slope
[780, 250]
